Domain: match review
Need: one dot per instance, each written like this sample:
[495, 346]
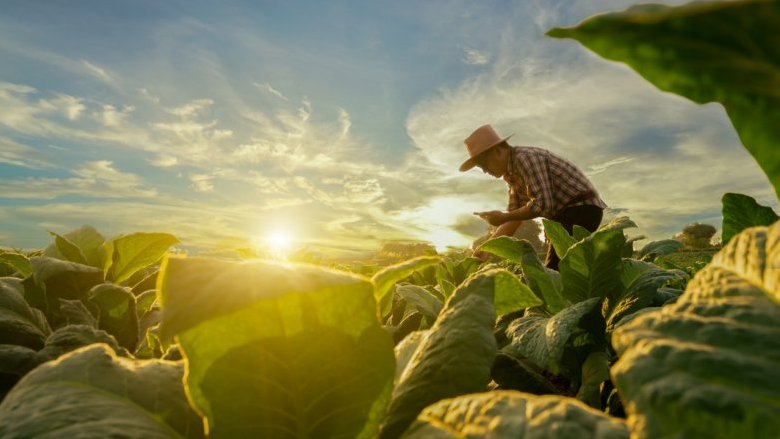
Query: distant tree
[696, 235]
[402, 250]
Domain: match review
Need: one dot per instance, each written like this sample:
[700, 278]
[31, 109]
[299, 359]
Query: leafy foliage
[740, 212]
[91, 392]
[321, 364]
[711, 357]
[510, 414]
[712, 51]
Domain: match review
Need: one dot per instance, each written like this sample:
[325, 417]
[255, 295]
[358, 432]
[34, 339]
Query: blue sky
[340, 123]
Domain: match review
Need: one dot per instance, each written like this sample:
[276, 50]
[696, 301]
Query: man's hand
[494, 217]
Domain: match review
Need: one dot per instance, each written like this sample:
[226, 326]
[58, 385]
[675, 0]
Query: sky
[338, 123]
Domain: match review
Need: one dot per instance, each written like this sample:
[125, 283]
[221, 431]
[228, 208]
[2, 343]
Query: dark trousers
[586, 216]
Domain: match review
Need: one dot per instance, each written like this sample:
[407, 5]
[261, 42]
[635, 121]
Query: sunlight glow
[279, 241]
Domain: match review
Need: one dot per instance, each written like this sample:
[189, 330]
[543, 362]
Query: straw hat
[482, 139]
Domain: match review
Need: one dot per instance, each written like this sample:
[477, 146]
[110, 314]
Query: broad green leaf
[405, 350]
[712, 356]
[93, 393]
[509, 414]
[595, 370]
[75, 313]
[385, 278]
[542, 338]
[17, 261]
[419, 299]
[559, 238]
[64, 279]
[134, 252]
[453, 358]
[72, 337]
[518, 373]
[591, 267]
[18, 323]
[87, 240]
[641, 284]
[579, 233]
[15, 362]
[511, 294]
[660, 248]
[116, 312]
[705, 51]
[67, 249]
[145, 301]
[536, 276]
[740, 212]
[278, 349]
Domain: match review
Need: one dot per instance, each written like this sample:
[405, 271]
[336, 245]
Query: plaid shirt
[546, 182]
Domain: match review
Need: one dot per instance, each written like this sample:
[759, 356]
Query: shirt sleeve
[539, 184]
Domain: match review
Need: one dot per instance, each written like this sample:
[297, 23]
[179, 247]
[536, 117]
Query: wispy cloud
[266, 87]
[97, 179]
[16, 154]
[475, 57]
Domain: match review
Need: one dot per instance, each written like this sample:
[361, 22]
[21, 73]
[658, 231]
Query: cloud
[266, 87]
[202, 182]
[475, 57]
[98, 72]
[16, 154]
[96, 179]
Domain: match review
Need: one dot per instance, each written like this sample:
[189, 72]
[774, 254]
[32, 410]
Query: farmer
[541, 184]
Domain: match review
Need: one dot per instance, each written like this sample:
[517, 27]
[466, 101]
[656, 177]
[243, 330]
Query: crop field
[121, 337]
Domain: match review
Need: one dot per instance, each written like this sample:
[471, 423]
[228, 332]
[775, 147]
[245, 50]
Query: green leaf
[591, 267]
[509, 414]
[64, 279]
[706, 51]
[558, 236]
[538, 278]
[595, 370]
[405, 350]
[116, 312]
[19, 325]
[454, 357]
[16, 261]
[278, 349]
[385, 278]
[579, 233]
[641, 284]
[542, 338]
[420, 300]
[87, 240]
[740, 212]
[660, 248]
[712, 356]
[75, 313]
[511, 294]
[72, 337]
[15, 362]
[67, 249]
[519, 373]
[91, 393]
[134, 252]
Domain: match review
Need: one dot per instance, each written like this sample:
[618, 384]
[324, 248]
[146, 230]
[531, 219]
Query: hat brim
[472, 161]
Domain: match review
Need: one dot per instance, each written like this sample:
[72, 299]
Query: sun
[279, 241]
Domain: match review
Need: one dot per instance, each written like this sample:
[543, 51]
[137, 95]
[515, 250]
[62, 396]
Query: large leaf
[68, 250]
[740, 212]
[508, 415]
[387, 277]
[591, 267]
[134, 252]
[17, 261]
[453, 358]
[420, 300]
[559, 238]
[707, 365]
[278, 350]
[19, 325]
[64, 279]
[641, 284]
[116, 312]
[706, 51]
[88, 242]
[538, 278]
[659, 248]
[542, 338]
[93, 393]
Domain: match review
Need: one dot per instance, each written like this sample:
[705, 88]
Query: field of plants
[117, 337]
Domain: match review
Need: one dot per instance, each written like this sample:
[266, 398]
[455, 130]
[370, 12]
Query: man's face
[489, 162]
